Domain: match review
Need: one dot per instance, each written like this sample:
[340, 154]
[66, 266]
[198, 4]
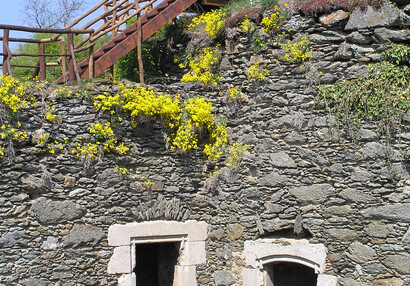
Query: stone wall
[302, 177]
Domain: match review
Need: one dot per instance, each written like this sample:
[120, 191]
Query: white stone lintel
[121, 234]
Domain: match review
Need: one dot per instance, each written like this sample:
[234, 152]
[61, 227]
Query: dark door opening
[155, 263]
[289, 274]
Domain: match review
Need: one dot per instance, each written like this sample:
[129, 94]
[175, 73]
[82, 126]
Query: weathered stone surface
[356, 196]
[34, 185]
[234, 231]
[276, 224]
[273, 208]
[361, 175]
[109, 178]
[312, 156]
[50, 244]
[34, 281]
[373, 150]
[387, 35]
[389, 282]
[344, 52]
[313, 194]
[348, 282]
[273, 179]
[358, 38]
[343, 234]
[295, 138]
[223, 278]
[334, 18]
[51, 212]
[378, 229]
[360, 253]
[83, 235]
[282, 160]
[396, 171]
[387, 15]
[10, 239]
[394, 212]
[399, 262]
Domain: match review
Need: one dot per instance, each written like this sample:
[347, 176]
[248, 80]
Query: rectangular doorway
[155, 263]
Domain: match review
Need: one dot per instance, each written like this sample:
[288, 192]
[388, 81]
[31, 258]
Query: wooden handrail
[116, 14]
[42, 30]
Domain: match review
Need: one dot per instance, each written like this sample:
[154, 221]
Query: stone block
[184, 276]
[326, 280]
[193, 253]
[120, 261]
[252, 277]
[127, 280]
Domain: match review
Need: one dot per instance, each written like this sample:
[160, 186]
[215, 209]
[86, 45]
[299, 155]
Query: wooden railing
[114, 16]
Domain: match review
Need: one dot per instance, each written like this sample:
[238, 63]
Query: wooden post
[73, 69]
[139, 50]
[91, 60]
[42, 61]
[63, 58]
[113, 18]
[7, 52]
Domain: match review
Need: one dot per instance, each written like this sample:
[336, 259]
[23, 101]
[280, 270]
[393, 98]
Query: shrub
[253, 14]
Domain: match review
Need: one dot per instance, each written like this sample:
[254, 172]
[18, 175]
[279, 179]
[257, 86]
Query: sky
[11, 15]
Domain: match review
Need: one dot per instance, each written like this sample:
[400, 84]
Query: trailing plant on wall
[203, 67]
[382, 96]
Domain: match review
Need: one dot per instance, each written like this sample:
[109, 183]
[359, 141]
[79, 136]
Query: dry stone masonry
[305, 194]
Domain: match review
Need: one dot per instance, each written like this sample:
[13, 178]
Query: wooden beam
[42, 62]
[7, 52]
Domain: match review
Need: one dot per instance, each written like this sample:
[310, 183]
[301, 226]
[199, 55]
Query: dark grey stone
[343, 234]
[34, 185]
[361, 175]
[282, 160]
[344, 52]
[360, 252]
[358, 38]
[83, 235]
[394, 212]
[346, 281]
[373, 150]
[379, 229]
[387, 15]
[356, 71]
[322, 39]
[367, 135]
[53, 212]
[273, 179]
[295, 138]
[399, 262]
[314, 194]
[276, 224]
[10, 239]
[336, 168]
[312, 156]
[387, 35]
[223, 278]
[109, 178]
[397, 172]
[356, 196]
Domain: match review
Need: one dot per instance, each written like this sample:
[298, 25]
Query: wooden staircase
[128, 39]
